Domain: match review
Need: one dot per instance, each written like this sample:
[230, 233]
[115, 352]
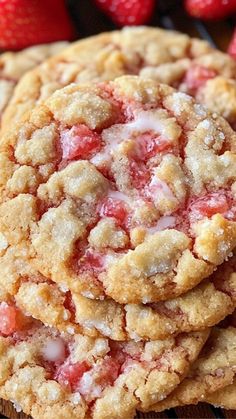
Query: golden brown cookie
[202, 307]
[13, 65]
[168, 57]
[122, 189]
[225, 398]
[211, 375]
[48, 374]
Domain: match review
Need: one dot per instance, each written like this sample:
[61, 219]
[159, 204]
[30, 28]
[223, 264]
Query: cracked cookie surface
[168, 57]
[212, 374]
[48, 374]
[225, 397]
[122, 189]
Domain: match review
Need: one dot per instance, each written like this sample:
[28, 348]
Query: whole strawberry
[210, 9]
[127, 12]
[28, 22]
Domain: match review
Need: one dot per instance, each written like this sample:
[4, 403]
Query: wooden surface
[89, 21]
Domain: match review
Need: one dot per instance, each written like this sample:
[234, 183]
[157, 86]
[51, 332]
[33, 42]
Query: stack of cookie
[117, 229]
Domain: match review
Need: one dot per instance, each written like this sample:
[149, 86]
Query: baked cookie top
[13, 65]
[123, 189]
[168, 57]
[212, 373]
[48, 374]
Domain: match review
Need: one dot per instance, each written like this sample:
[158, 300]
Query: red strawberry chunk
[116, 352]
[210, 204]
[108, 372]
[139, 174]
[114, 208]
[151, 144]
[90, 261]
[79, 142]
[102, 375]
[197, 76]
[8, 323]
[69, 374]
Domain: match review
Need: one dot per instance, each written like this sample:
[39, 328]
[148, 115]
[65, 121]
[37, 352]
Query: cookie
[48, 374]
[202, 307]
[225, 398]
[122, 189]
[13, 65]
[212, 373]
[168, 57]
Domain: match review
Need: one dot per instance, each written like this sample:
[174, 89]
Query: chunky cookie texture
[13, 65]
[48, 374]
[168, 57]
[202, 307]
[225, 398]
[122, 189]
[212, 374]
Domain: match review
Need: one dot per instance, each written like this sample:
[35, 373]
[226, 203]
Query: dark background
[169, 14]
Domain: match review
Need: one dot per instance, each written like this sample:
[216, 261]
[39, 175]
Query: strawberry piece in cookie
[79, 142]
[139, 173]
[102, 375]
[209, 205]
[114, 208]
[150, 144]
[197, 76]
[90, 261]
[69, 374]
[8, 319]
[109, 371]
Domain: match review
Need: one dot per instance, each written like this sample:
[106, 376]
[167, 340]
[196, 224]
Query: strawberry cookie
[202, 307]
[48, 374]
[169, 57]
[13, 65]
[225, 398]
[212, 374]
[122, 189]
